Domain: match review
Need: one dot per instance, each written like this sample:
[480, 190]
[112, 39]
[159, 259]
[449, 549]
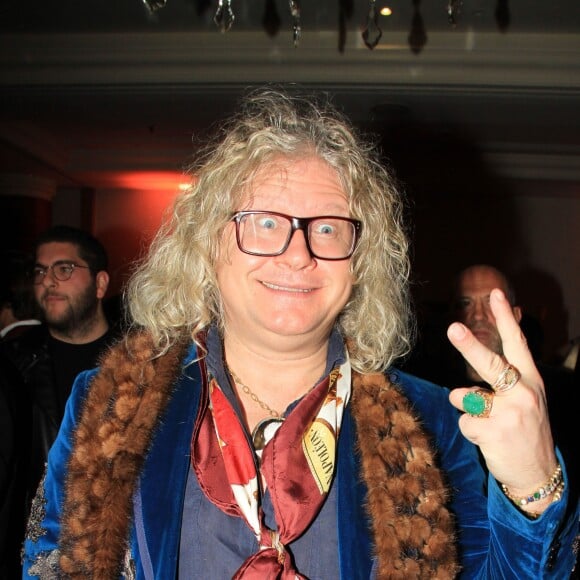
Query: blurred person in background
[67, 280]
[19, 312]
[18, 307]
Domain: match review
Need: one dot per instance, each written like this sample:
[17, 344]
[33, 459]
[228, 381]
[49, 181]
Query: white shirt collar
[7, 329]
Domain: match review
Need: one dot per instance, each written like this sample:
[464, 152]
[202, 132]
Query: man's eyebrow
[56, 263]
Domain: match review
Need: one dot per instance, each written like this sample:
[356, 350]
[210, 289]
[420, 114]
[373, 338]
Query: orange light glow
[162, 181]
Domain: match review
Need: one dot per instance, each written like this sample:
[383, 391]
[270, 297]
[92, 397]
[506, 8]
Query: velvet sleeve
[40, 545]
[495, 539]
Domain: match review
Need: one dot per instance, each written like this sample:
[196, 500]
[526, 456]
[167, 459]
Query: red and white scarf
[297, 466]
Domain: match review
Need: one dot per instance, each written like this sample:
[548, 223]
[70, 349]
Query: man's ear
[517, 313]
[102, 281]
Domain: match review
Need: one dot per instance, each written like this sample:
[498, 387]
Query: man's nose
[480, 310]
[49, 279]
[298, 252]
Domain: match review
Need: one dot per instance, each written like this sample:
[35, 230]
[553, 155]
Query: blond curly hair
[174, 293]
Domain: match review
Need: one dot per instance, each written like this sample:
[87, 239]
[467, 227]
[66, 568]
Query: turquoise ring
[478, 403]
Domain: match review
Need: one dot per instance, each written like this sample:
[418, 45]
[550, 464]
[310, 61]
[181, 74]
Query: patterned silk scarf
[297, 464]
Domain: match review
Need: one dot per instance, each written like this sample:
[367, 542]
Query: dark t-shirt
[68, 360]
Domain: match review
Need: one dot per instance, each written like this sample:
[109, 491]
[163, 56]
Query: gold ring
[507, 379]
[478, 403]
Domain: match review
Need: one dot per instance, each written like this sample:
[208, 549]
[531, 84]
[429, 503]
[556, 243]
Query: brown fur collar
[115, 430]
[413, 531]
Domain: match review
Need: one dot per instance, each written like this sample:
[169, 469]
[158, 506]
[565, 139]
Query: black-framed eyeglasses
[61, 270]
[268, 233]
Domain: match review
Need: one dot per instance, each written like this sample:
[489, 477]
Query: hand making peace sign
[512, 430]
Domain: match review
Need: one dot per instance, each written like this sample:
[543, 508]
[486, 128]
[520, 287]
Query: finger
[470, 425]
[515, 346]
[456, 396]
[487, 363]
[478, 403]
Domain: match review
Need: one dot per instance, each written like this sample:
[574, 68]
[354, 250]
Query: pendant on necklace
[264, 431]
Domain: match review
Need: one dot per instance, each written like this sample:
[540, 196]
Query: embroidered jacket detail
[129, 571]
[34, 529]
[46, 566]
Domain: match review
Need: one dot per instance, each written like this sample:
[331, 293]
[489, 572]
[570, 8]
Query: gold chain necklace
[253, 396]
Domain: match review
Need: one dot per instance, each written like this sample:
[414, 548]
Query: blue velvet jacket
[495, 540]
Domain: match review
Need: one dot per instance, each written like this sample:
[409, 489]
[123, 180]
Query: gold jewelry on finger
[507, 379]
[478, 403]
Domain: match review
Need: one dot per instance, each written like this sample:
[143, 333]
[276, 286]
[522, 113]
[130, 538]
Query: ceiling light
[154, 5]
